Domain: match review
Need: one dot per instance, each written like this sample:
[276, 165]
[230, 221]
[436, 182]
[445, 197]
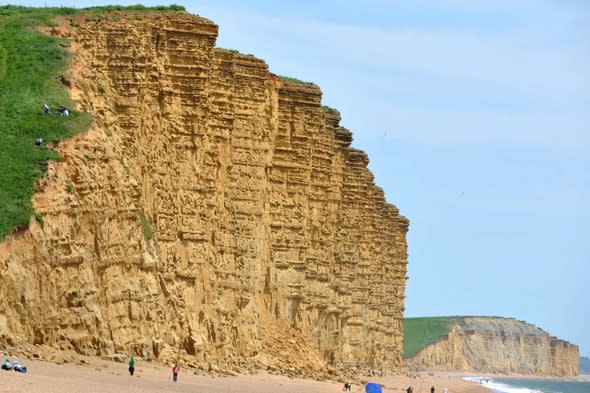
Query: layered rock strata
[213, 213]
[499, 345]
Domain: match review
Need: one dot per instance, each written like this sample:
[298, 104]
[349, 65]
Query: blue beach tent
[373, 388]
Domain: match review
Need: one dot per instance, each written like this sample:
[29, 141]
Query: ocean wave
[499, 386]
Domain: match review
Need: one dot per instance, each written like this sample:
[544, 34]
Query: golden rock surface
[213, 214]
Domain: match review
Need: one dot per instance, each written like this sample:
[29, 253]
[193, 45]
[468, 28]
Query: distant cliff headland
[486, 344]
[206, 211]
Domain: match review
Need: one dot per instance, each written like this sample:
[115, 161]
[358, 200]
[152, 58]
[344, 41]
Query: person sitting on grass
[63, 111]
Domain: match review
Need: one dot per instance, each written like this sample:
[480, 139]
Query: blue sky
[475, 116]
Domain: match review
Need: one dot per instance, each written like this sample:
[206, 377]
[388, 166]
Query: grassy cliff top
[420, 332]
[31, 65]
[33, 72]
[295, 81]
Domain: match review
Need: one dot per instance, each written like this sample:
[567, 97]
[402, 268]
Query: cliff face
[499, 345]
[212, 212]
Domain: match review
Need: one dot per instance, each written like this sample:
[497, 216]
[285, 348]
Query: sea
[517, 385]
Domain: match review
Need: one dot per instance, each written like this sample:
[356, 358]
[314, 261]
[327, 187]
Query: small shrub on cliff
[39, 218]
[237, 52]
[148, 232]
[176, 7]
[172, 7]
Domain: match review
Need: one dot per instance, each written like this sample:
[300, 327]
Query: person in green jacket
[131, 366]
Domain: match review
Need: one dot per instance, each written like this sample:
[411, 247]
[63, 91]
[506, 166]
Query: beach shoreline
[92, 374]
[69, 372]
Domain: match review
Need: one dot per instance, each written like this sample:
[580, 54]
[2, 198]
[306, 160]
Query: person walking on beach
[131, 366]
[175, 371]
[432, 389]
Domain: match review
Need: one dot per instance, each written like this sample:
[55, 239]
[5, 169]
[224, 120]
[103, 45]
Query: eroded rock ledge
[213, 213]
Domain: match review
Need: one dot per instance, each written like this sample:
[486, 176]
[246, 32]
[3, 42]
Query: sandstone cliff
[498, 345]
[213, 213]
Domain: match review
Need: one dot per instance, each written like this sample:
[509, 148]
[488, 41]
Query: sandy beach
[98, 375]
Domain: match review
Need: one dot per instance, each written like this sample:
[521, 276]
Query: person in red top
[175, 371]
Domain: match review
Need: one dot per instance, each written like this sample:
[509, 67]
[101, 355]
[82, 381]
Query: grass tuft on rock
[288, 79]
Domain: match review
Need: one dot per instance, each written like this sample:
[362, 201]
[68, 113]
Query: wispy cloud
[515, 57]
[525, 63]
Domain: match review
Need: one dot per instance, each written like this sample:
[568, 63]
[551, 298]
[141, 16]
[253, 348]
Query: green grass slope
[420, 332]
[31, 64]
[32, 68]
